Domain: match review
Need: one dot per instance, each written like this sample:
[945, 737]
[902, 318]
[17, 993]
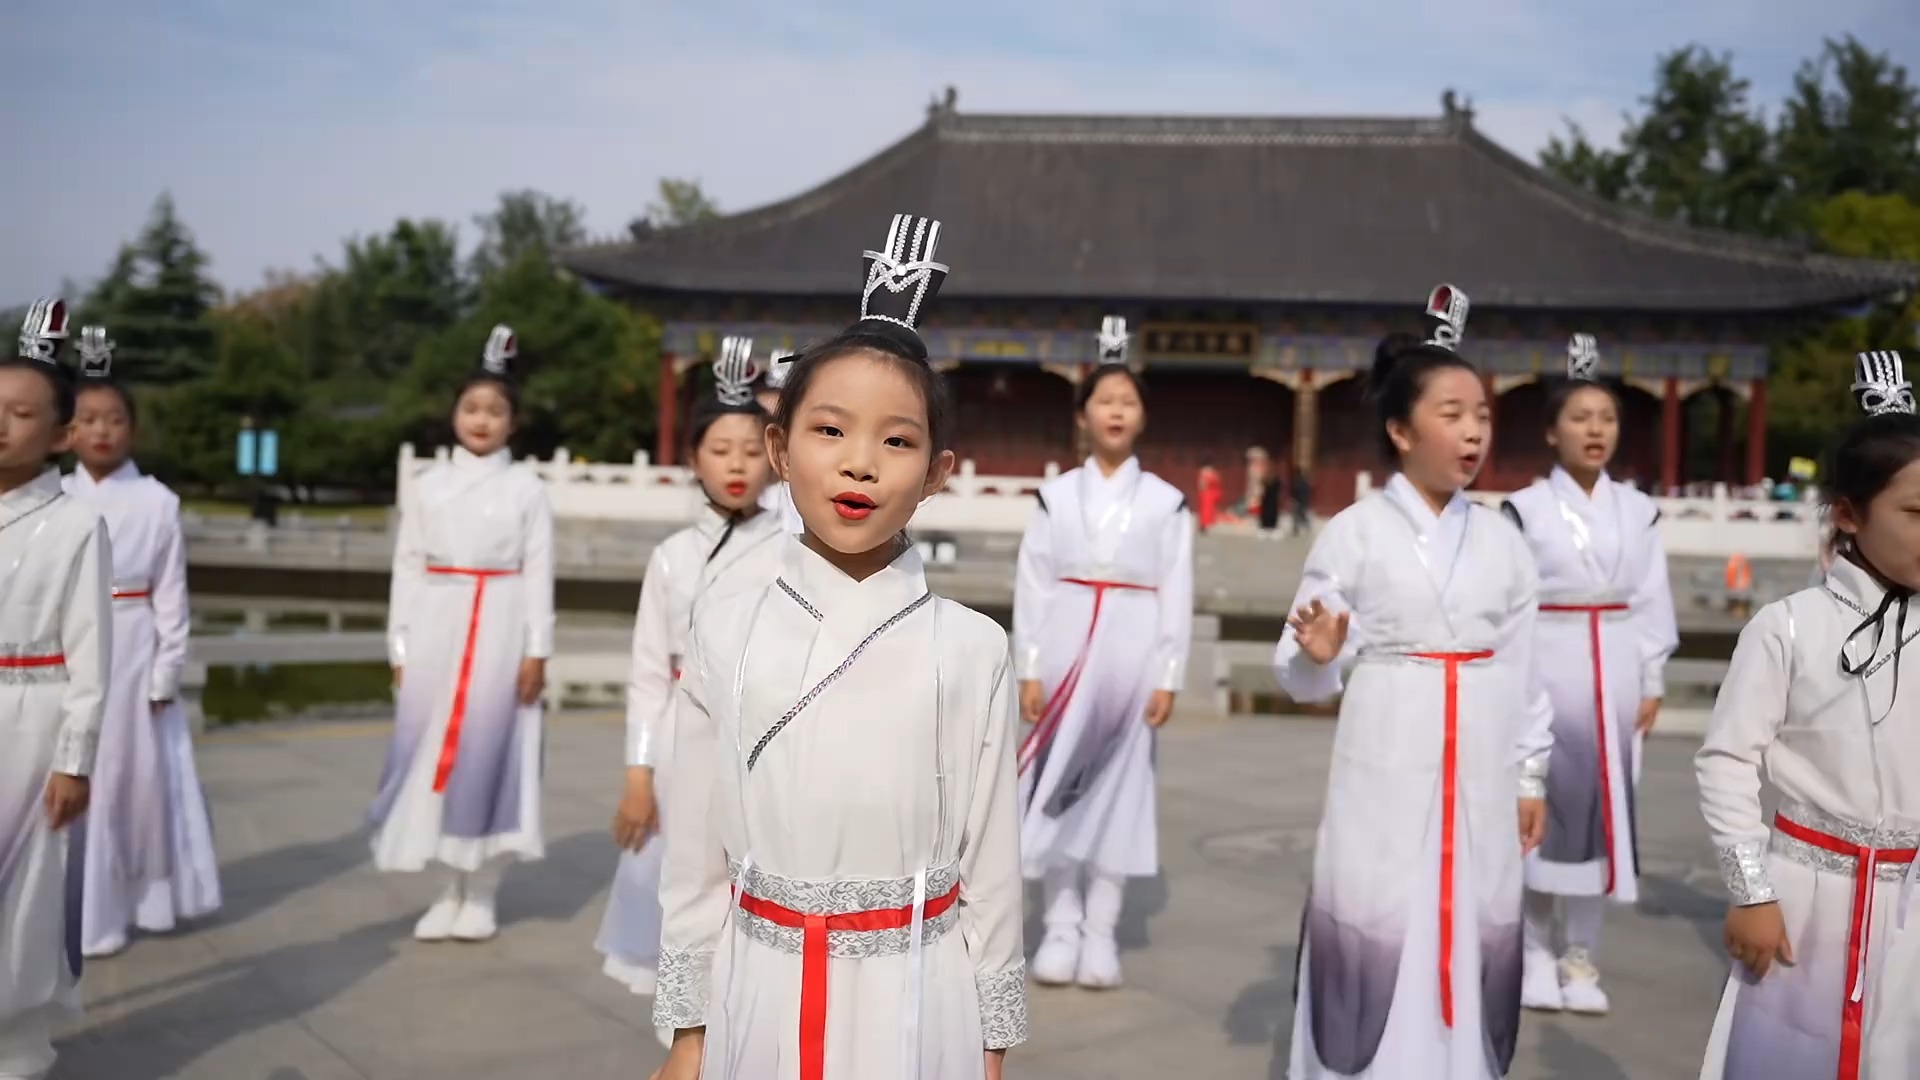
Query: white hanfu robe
[1605, 631]
[55, 652]
[1439, 735]
[472, 597]
[779, 498]
[843, 757]
[714, 556]
[1102, 616]
[1842, 754]
[149, 856]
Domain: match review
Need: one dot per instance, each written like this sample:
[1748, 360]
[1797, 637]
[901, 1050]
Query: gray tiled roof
[1249, 209]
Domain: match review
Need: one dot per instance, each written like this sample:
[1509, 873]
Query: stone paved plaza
[311, 973]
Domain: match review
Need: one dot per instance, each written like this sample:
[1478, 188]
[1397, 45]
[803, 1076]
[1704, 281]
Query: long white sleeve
[409, 575]
[1533, 742]
[1748, 714]
[1332, 565]
[694, 884]
[1176, 604]
[536, 568]
[1035, 584]
[171, 623]
[86, 641]
[650, 679]
[1653, 619]
[991, 890]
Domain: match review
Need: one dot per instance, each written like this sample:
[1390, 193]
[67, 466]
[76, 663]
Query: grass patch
[241, 695]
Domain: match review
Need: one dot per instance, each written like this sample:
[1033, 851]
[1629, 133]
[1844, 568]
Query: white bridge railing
[1718, 525]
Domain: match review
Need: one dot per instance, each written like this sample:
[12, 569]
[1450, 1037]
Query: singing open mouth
[737, 488]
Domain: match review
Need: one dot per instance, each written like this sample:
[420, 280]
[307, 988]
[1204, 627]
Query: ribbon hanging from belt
[1449, 811]
[1594, 613]
[1037, 740]
[450, 745]
[1866, 861]
[814, 957]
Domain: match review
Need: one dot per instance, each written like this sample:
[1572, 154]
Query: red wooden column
[1723, 400]
[667, 438]
[1757, 432]
[1670, 438]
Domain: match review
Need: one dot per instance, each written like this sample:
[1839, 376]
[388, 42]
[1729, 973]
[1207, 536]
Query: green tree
[155, 300]
[1852, 124]
[1698, 154]
[586, 365]
[678, 203]
[188, 430]
[393, 293]
[525, 222]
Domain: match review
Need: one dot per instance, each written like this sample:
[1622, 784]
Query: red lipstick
[852, 505]
[737, 488]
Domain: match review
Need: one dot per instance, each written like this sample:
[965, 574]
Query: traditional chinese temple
[1258, 261]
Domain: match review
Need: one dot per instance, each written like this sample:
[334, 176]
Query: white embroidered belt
[762, 892]
[1840, 842]
[32, 662]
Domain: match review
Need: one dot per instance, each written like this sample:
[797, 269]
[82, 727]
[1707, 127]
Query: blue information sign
[269, 453]
[243, 452]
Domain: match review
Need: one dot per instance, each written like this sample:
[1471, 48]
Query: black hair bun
[902, 339]
[1387, 355]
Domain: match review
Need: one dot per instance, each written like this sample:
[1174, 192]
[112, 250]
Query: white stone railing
[1718, 525]
[643, 491]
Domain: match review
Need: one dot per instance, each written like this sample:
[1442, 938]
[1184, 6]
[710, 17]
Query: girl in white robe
[1102, 618]
[150, 860]
[777, 497]
[470, 627]
[1410, 958]
[842, 888]
[1605, 630]
[55, 653]
[731, 547]
[1819, 706]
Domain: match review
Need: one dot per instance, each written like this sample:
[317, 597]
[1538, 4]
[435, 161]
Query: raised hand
[1321, 632]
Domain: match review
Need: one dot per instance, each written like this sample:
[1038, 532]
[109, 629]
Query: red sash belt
[450, 746]
[15, 662]
[1449, 787]
[1056, 706]
[1594, 613]
[814, 956]
[132, 594]
[1865, 860]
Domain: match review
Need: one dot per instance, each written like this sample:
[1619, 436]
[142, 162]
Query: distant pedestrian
[1302, 501]
[1210, 496]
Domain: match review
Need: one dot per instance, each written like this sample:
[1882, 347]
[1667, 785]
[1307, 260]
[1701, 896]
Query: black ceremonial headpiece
[42, 331]
[899, 280]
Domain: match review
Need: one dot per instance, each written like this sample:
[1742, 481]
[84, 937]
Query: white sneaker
[1540, 983]
[475, 921]
[437, 923]
[1059, 955]
[1099, 963]
[1580, 984]
[113, 946]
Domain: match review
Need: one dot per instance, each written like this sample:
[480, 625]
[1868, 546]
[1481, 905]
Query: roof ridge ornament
[43, 329]
[96, 353]
[1583, 358]
[902, 278]
[1447, 306]
[501, 348]
[1881, 384]
[734, 371]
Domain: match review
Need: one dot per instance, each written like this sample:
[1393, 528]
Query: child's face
[482, 419]
[731, 461]
[1889, 535]
[1445, 439]
[1587, 430]
[102, 430]
[30, 428]
[859, 458]
[1113, 417]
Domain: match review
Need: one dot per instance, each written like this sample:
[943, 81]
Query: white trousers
[1555, 924]
[1095, 913]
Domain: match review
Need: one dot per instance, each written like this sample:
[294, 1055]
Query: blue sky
[281, 129]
